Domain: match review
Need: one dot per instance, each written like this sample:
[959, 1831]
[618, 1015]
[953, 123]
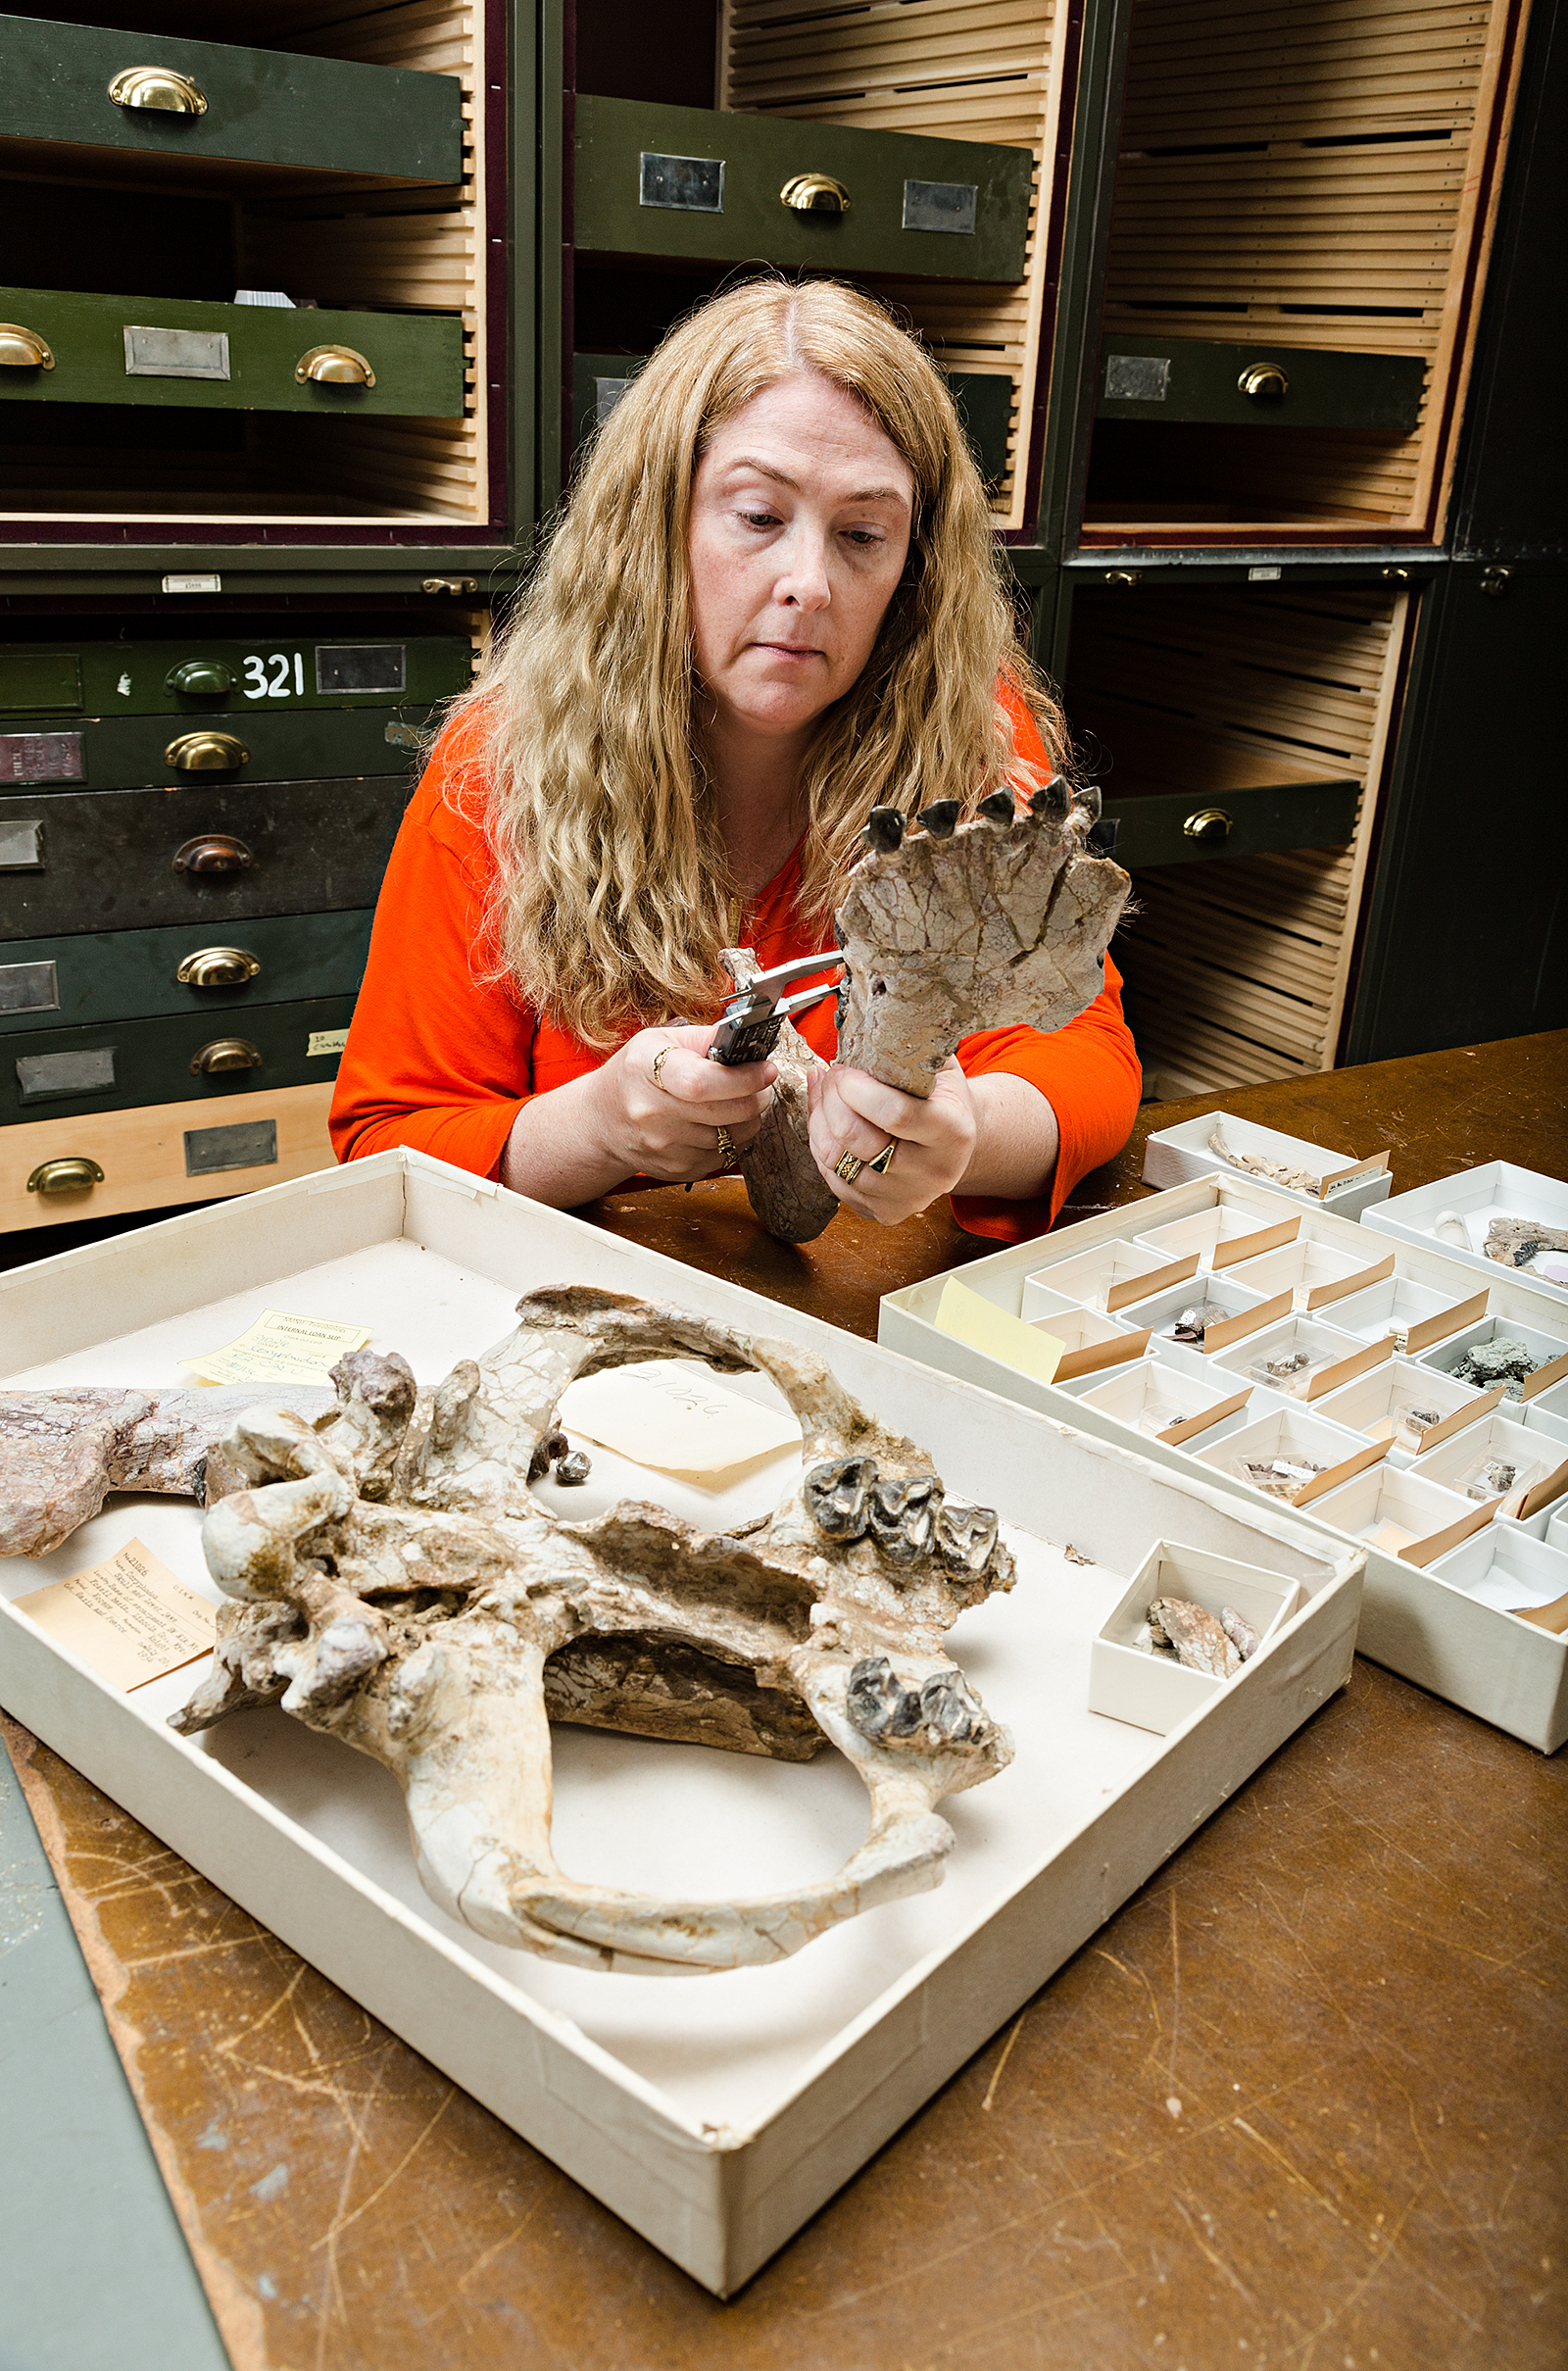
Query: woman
[773, 604]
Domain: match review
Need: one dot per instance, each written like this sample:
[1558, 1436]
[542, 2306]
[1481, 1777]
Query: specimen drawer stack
[192, 835]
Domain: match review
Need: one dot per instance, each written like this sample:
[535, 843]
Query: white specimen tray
[1468, 1652]
[715, 2113]
[1498, 1190]
[1177, 1155]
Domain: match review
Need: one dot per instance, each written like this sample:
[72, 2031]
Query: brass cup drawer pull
[334, 366]
[75, 1174]
[1207, 823]
[158, 87]
[206, 752]
[214, 852]
[218, 967]
[815, 193]
[23, 349]
[1265, 382]
[225, 1053]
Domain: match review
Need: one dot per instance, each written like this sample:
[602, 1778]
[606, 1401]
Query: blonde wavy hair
[613, 893]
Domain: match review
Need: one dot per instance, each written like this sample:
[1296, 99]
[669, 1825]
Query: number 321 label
[279, 677]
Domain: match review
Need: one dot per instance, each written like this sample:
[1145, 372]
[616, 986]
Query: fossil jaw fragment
[394, 1582]
[1515, 1241]
[1299, 1181]
[946, 929]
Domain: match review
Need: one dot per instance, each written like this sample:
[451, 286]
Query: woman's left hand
[852, 1112]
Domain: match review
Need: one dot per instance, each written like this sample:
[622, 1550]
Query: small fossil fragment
[1299, 1181]
[1503, 1359]
[1073, 1557]
[1410, 1423]
[1243, 1637]
[1449, 1227]
[1514, 1242]
[1289, 1362]
[1193, 1322]
[1199, 1639]
[1494, 1477]
[574, 1467]
[1281, 1477]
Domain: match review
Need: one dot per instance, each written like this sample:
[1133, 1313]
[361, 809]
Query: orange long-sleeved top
[443, 1061]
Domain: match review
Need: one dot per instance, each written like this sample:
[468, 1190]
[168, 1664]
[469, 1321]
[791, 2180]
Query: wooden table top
[1301, 2102]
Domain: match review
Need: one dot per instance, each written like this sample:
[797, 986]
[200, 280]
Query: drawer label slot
[248, 1144]
[28, 758]
[361, 667]
[682, 185]
[29, 988]
[21, 846]
[949, 206]
[1136, 378]
[87, 1070]
[176, 353]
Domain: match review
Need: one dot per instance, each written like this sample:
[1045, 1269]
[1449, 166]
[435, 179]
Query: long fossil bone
[394, 1582]
[945, 931]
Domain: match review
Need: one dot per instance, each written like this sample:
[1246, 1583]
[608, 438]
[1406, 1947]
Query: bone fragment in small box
[1346, 1370]
[1340, 1288]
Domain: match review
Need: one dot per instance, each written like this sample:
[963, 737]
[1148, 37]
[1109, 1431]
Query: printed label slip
[278, 1347]
[129, 1617]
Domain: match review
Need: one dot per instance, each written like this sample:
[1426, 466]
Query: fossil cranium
[394, 1581]
[946, 929]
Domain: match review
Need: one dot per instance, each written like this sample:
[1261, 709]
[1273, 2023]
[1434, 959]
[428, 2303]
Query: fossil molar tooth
[884, 829]
[1514, 1242]
[999, 808]
[393, 1580]
[940, 818]
[1200, 1641]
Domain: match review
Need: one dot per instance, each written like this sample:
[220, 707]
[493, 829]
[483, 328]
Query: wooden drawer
[93, 976]
[685, 182]
[49, 1074]
[203, 99]
[1175, 379]
[247, 357]
[145, 1158]
[133, 752]
[108, 855]
[203, 672]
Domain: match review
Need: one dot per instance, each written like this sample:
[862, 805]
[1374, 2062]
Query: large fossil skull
[396, 1582]
[947, 929]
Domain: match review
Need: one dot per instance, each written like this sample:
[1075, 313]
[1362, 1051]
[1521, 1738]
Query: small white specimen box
[1547, 1411]
[1314, 1274]
[1246, 1311]
[1548, 1350]
[1165, 1403]
[1220, 1236]
[1413, 1316]
[717, 2115]
[1475, 1461]
[1109, 1277]
[1407, 1517]
[1130, 1682]
[1557, 1531]
[1089, 1340]
[1177, 1155]
[1326, 1358]
[1410, 1407]
[1503, 1566]
[1497, 1190]
[1312, 1456]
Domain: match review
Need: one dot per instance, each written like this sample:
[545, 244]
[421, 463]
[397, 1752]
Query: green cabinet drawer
[203, 672]
[134, 753]
[1190, 827]
[61, 346]
[686, 181]
[52, 1073]
[129, 860]
[179, 98]
[88, 977]
[1258, 385]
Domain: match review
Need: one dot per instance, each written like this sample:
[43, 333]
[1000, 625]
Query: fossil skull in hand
[394, 1581]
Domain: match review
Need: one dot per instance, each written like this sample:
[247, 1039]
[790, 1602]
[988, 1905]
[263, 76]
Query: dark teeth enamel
[940, 818]
[903, 1517]
[837, 1497]
[1001, 808]
[1086, 800]
[881, 1705]
[884, 828]
[1052, 801]
[965, 1535]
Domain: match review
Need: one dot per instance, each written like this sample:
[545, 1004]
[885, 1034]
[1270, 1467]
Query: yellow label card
[278, 1348]
[325, 1041]
[657, 1414]
[969, 1318]
[127, 1617]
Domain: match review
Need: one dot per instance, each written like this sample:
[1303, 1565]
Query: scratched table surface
[1304, 2101]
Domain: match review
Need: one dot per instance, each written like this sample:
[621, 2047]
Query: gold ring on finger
[660, 1060]
[848, 1166]
[726, 1146]
[884, 1159]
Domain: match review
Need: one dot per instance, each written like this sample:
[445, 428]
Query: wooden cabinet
[159, 1155]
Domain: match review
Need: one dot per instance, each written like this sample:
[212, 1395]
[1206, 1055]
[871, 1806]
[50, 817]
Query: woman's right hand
[668, 1127]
